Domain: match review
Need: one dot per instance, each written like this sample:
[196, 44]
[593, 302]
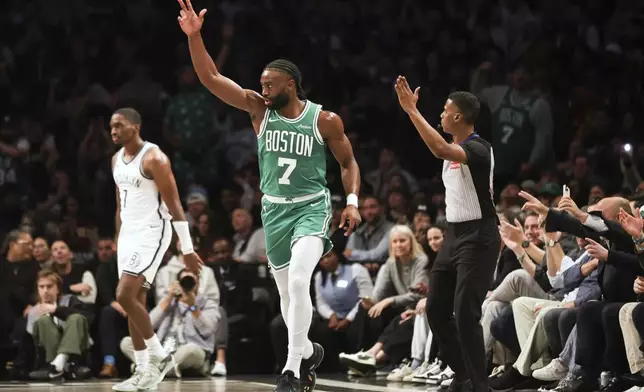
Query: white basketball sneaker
[154, 373]
[131, 384]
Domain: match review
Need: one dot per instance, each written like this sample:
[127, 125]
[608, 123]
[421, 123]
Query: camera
[187, 283]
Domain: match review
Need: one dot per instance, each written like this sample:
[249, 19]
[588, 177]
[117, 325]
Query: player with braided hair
[292, 135]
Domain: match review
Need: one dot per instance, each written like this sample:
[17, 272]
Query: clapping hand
[512, 235]
[631, 224]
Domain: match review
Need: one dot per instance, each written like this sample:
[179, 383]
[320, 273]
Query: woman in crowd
[424, 351]
[338, 288]
[398, 287]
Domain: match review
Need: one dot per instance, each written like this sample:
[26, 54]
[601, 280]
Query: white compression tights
[293, 284]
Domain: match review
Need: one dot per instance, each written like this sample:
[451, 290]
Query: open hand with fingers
[534, 204]
[189, 20]
[631, 224]
[512, 235]
[406, 97]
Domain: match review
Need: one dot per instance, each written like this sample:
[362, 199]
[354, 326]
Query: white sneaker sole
[166, 369]
[130, 388]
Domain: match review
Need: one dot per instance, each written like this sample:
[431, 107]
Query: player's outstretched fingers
[182, 5]
[352, 226]
[189, 4]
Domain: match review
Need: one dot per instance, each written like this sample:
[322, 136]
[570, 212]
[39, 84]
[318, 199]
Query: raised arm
[434, 141]
[332, 130]
[156, 165]
[221, 86]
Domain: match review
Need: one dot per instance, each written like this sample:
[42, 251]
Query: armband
[183, 232]
[352, 200]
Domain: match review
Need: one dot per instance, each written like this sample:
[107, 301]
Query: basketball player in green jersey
[296, 208]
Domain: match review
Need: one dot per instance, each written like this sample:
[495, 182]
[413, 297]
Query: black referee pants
[458, 283]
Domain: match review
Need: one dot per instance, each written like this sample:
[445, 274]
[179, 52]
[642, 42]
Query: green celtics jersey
[292, 154]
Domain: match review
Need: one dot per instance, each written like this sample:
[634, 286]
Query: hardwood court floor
[245, 384]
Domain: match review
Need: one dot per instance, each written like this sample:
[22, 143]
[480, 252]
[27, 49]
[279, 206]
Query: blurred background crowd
[560, 83]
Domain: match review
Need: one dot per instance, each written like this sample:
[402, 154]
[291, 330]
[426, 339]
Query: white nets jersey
[146, 232]
[141, 204]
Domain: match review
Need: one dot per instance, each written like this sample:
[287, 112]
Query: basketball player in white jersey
[147, 199]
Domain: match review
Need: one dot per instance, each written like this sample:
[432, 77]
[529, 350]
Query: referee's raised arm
[461, 119]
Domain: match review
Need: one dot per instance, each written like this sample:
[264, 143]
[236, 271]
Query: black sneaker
[77, 372]
[616, 385]
[509, 381]
[460, 386]
[287, 383]
[307, 384]
[312, 363]
[46, 374]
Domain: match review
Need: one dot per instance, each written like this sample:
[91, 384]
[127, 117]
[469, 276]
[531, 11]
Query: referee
[464, 267]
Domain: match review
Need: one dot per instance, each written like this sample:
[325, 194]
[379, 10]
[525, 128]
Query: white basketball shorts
[141, 251]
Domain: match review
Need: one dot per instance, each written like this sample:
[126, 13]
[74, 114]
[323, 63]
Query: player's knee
[125, 295]
[298, 285]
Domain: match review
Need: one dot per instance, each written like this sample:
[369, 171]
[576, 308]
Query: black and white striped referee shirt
[469, 186]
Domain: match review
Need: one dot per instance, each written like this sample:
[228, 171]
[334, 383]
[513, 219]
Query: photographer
[186, 323]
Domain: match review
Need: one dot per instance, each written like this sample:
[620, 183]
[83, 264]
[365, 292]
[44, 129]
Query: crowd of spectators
[561, 89]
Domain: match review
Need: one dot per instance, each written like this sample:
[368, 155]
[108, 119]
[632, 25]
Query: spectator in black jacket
[617, 273]
[599, 340]
[18, 273]
[113, 319]
[235, 286]
[236, 297]
[59, 325]
[76, 279]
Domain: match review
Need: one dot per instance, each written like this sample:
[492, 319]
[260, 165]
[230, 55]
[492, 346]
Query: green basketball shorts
[286, 220]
